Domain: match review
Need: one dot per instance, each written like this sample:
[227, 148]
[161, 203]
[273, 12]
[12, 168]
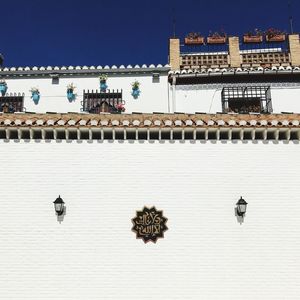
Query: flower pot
[103, 86]
[3, 89]
[70, 95]
[275, 38]
[216, 40]
[194, 41]
[35, 97]
[252, 39]
[135, 93]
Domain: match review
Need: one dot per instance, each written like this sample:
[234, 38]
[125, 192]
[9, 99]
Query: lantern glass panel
[242, 208]
[58, 207]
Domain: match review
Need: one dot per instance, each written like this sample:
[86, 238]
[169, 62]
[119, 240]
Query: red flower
[120, 107]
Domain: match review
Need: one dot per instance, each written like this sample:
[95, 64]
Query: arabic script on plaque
[149, 224]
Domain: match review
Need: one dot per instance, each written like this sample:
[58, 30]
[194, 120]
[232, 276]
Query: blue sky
[90, 32]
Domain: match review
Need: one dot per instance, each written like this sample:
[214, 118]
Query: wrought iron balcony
[11, 104]
[96, 101]
[246, 99]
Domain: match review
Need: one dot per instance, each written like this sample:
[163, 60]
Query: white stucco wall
[206, 253]
[286, 99]
[196, 98]
[153, 97]
[207, 98]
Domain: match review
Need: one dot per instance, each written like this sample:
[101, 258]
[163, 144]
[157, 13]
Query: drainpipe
[173, 108]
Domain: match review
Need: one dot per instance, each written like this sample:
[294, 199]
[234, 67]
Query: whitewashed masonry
[52, 83]
[162, 90]
[206, 253]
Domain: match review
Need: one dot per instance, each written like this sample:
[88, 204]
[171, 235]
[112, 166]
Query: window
[55, 80]
[96, 101]
[155, 78]
[246, 99]
[11, 104]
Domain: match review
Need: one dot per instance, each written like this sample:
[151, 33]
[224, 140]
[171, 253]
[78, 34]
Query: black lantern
[59, 206]
[241, 207]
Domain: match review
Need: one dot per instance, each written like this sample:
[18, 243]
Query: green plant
[135, 85]
[255, 32]
[103, 77]
[34, 90]
[217, 34]
[71, 86]
[271, 32]
[193, 35]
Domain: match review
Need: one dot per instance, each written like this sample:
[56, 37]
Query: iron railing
[96, 101]
[11, 104]
[246, 99]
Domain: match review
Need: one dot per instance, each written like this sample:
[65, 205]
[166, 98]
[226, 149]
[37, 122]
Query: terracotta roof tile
[148, 120]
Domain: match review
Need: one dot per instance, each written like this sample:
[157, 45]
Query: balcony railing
[97, 102]
[267, 59]
[11, 104]
[246, 99]
[208, 60]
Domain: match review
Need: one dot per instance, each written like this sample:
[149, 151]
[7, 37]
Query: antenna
[291, 18]
[174, 20]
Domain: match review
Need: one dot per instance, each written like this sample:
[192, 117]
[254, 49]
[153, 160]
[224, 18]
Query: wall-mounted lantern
[59, 206]
[241, 207]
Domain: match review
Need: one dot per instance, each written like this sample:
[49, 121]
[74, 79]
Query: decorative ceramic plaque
[149, 224]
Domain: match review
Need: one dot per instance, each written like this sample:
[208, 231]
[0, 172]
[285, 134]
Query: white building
[264, 76]
[52, 83]
[193, 168]
[161, 90]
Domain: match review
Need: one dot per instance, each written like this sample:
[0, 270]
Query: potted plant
[3, 87]
[194, 38]
[135, 89]
[120, 108]
[35, 94]
[103, 85]
[275, 35]
[70, 91]
[253, 37]
[217, 38]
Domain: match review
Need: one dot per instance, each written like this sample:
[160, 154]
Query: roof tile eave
[151, 120]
